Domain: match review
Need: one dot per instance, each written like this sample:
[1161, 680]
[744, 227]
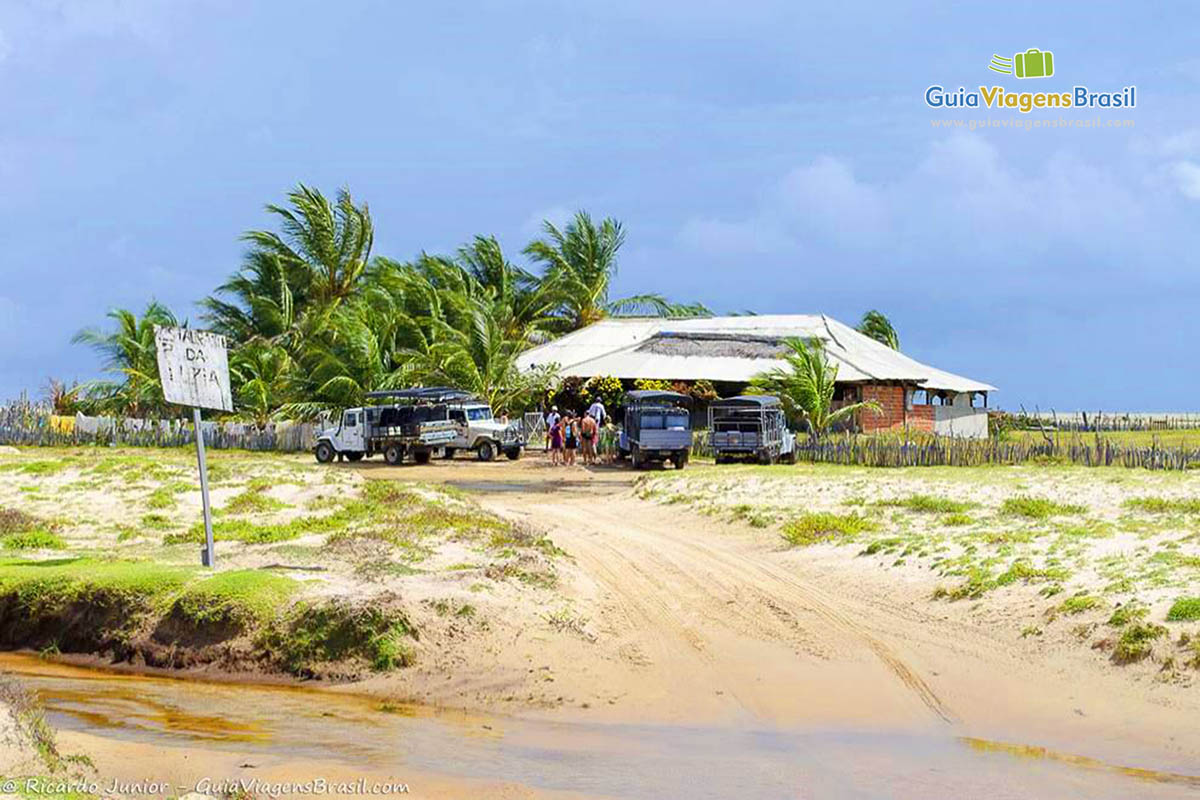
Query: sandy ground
[664, 613]
[681, 617]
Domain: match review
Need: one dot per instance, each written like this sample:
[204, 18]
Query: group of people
[567, 433]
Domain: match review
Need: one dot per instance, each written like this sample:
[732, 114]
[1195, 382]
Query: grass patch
[1129, 613]
[957, 520]
[315, 635]
[824, 526]
[238, 598]
[1136, 642]
[33, 540]
[929, 504]
[42, 467]
[253, 501]
[1185, 609]
[1038, 507]
[1163, 505]
[1079, 604]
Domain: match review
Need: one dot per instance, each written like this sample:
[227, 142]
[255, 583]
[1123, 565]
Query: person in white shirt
[598, 413]
[551, 419]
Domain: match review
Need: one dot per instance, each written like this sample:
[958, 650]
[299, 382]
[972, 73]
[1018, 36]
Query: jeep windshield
[479, 413]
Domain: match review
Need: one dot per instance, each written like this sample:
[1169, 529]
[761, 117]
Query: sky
[777, 157]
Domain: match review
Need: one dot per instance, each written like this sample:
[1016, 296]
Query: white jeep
[479, 431]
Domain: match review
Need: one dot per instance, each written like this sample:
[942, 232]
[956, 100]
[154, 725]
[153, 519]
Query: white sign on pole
[194, 368]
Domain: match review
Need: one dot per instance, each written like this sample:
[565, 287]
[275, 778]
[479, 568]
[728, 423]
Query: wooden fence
[1093, 451]
[33, 425]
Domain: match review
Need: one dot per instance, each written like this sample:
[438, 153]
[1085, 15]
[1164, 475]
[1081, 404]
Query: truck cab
[347, 437]
[478, 430]
[658, 428]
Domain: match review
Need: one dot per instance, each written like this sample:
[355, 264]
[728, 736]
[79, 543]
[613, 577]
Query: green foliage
[33, 540]
[652, 385]
[957, 520]
[806, 387]
[130, 355]
[1038, 507]
[1130, 612]
[929, 504]
[1162, 505]
[1137, 641]
[816, 527]
[879, 328]
[252, 501]
[1185, 609]
[313, 635]
[22, 531]
[238, 598]
[1079, 604]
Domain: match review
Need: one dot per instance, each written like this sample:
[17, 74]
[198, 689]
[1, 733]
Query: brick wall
[890, 398]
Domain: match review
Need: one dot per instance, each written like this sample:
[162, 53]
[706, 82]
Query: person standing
[552, 419]
[554, 440]
[590, 432]
[596, 409]
[570, 439]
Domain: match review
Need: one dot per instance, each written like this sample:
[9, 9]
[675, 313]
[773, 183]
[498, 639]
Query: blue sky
[763, 156]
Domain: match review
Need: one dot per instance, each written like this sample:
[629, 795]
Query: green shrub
[822, 526]
[957, 520]
[1038, 507]
[1130, 612]
[1163, 505]
[1079, 604]
[929, 504]
[314, 635]
[1136, 642]
[1185, 609]
[33, 540]
[239, 598]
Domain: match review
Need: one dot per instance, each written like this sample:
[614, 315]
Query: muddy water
[631, 761]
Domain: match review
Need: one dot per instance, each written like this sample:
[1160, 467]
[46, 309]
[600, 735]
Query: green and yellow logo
[1033, 63]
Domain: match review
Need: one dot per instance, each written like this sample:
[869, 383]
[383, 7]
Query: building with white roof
[730, 351]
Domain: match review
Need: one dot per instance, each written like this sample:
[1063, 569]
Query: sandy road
[691, 619]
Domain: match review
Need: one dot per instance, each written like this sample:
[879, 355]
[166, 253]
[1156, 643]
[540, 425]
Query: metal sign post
[208, 557]
[194, 369]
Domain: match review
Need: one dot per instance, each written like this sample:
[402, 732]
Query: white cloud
[952, 203]
[1187, 177]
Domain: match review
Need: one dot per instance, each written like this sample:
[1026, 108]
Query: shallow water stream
[629, 761]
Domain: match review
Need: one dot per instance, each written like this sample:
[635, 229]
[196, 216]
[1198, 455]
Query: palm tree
[580, 263]
[879, 328]
[478, 356]
[129, 352]
[806, 387]
[526, 302]
[318, 260]
[264, 376]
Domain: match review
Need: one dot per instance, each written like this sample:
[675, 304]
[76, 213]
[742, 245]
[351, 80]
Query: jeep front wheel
[324, 453]
[487, 451]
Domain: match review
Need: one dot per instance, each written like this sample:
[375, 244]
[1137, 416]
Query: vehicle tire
[635, 457]
[422, 456]
[355, 456]
[393, 454]
[512, 453]
[680, 460]
[765, 458]
[324, 452]
[448, 452]
[790, 458]
[486, 452]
